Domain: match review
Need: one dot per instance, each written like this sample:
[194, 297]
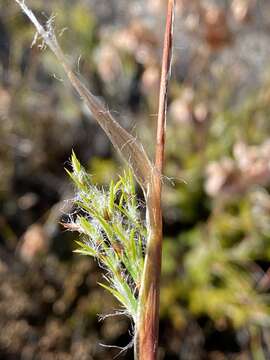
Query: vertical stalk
[146, 342]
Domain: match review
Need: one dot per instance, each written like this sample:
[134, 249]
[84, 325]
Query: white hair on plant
[47, 34]
[112, 232]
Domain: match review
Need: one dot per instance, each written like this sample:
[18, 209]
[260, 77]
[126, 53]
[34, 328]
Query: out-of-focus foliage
[215, 288]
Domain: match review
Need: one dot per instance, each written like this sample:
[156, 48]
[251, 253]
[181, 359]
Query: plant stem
[165, 75]
[146, 344]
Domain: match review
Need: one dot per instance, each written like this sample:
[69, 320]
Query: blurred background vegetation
[216, 277]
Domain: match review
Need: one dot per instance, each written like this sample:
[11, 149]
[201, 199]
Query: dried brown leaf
[128, 146]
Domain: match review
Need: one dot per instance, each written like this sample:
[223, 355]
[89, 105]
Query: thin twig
[146, 344]
[165, 76]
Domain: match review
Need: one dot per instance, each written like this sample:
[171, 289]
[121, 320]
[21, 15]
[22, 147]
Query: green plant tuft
[112, 232]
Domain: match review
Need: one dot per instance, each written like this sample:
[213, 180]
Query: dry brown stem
[148, 314]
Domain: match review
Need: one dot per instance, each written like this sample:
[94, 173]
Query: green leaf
[86, 249]
[75, 163]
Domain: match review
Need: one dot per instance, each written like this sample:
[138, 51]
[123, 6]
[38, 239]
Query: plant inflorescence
[112, 232]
